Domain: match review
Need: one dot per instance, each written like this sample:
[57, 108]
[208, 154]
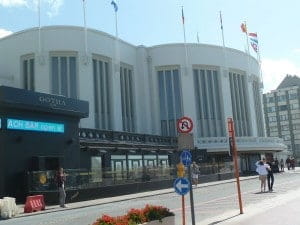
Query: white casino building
[145, 89]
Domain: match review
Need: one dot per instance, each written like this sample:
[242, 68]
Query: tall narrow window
[169, 100]
[64, 74]
[126, 84]
[240, 108]
[28, 72]
[102, 93]
[258, 108]
[210, 122]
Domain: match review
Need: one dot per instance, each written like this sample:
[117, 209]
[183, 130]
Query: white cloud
[13, 3]
[274, 72]
[4, 33]
[54, 7]
[50, 7]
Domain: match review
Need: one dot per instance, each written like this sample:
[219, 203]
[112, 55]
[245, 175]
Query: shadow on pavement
[220, 221]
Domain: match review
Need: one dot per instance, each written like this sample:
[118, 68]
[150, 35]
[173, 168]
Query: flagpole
[221, 21]
[198, 38]
[185, 47]
[117, 48]
[246, 33]
[85, 29]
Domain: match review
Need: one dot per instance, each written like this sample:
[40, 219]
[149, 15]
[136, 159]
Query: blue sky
[151, 22]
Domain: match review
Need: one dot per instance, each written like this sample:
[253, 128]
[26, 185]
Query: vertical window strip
[28, 73]
[177, 95]
[107, 105]
[101, 89]
[123, 98]
[127, 99]
[213, 95]
[258, 108]
[32, 75]
[64, 75]
[162, 103]
[246, 109]
[166, 102]
[102, 93]
[199, 102]
[170, 100]
[25, 74]
[241, 105]
[233, 101]
[96, 95]
[209, 110]
[73, 77]
[131, 100]
[55, 76]
[175, 103]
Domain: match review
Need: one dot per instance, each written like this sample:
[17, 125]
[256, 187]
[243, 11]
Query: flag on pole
[182, 15]
[253, 41]
[114, 4]
[244, 27]
[221, 21]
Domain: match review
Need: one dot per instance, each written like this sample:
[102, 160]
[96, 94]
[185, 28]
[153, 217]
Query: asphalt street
[209, 202]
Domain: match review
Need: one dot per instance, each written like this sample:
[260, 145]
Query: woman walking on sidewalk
[262, 170]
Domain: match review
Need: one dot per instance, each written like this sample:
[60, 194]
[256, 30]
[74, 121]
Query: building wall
[282, 113]
[144, 61]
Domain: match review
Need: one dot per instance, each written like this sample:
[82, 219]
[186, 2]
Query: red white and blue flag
[253, 41]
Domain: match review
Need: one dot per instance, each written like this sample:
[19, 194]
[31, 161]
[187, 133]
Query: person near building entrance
[281, 165]
[288, 163]
[60, 181]
[195, 173]
[262, 170]
[270, 176]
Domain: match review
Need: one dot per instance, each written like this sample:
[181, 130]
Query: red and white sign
[185, 125]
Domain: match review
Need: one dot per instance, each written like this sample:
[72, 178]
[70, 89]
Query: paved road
[209, 202]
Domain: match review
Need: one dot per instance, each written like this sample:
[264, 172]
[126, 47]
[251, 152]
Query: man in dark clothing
[60, 181]
[270, 176]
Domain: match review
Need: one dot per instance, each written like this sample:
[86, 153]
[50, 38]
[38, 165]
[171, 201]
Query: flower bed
[150, 215]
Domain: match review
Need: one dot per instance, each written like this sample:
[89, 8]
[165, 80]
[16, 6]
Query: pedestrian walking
[262, 170]
[288, 163]
[60, 181]
[293, 163]
[281, 165]
[195, 173]
[270, 176]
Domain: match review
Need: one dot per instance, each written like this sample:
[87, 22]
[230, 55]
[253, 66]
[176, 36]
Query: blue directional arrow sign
[182, 186]
[186, 157]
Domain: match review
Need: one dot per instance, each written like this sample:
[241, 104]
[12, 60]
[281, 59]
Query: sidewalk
[101, 201]
[280, 210]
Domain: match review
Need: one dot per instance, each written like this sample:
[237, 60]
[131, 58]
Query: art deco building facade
[145, 89]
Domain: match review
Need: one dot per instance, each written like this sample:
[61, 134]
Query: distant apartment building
[282, 114]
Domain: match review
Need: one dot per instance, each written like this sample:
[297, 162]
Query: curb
[129, 197]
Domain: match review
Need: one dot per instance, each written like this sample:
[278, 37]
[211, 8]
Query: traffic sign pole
[191, 197]
[183, 210]
[234, 155]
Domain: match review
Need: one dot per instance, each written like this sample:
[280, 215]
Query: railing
[39, 181]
